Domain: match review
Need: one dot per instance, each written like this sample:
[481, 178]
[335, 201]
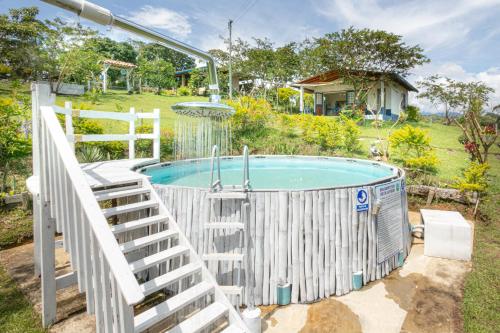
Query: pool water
[297, 173]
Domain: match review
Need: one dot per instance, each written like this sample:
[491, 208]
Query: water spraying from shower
[199, 126]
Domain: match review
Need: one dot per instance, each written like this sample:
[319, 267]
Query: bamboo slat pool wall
[314, 239]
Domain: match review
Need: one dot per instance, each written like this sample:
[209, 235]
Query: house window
[349, 97]
[403, 101]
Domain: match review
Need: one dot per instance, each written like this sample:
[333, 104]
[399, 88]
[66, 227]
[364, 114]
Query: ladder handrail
[217, 184]
[246, 172]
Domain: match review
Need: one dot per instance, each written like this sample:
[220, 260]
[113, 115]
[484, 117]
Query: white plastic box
[447, 234]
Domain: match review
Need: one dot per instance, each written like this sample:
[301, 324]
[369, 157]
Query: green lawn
[119, 100]
[16, 313]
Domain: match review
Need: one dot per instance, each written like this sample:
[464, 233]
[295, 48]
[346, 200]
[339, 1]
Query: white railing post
[43, 225]
[68, 119]
[131, 131]
[156, 133]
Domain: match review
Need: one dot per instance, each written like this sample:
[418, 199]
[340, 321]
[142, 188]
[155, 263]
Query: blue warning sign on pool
[361, 200]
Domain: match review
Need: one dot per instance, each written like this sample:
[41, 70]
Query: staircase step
[224, 225]
[232, 329]
[223, 257]
[167, 279]
[148, 240]
[136, 224]
[119, 193]
[227, 195]
[156, 314]
[158, 258]
[232, 290]
[129, 208]
[202, 319]
[105, 179]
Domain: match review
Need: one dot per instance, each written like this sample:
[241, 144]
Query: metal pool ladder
[229, 225]
[216, 186]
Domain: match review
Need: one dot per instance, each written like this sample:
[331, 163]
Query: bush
[350, 134]
[412, 113]
[323, 131]
[473, 178]
[184, 91]
[15, 146]
[413, 148]
[90, 154]
[250, 120]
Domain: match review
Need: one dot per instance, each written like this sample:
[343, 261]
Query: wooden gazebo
[110, 63]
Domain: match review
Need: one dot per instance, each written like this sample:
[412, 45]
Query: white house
[331, 95]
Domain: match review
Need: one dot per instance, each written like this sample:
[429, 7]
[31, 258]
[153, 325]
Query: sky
[462, 38]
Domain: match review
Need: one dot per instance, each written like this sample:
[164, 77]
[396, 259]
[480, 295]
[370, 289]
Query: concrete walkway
[423, 296]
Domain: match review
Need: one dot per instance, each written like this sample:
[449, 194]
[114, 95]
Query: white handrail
[215, 155]
[246, 171]
[106, 242]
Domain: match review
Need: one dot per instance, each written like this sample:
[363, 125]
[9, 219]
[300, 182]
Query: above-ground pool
[324, 225]
[275, 173]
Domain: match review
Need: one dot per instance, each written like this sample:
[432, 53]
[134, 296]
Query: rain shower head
[203, 109]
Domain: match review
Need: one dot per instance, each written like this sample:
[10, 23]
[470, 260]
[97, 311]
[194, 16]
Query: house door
[318, 104]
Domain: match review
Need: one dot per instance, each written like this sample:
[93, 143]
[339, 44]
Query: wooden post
[156, 132]
[43, 226]
[131, 131]
[70, 132]
[301, 99]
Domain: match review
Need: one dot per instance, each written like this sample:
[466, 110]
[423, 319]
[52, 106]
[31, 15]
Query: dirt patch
[331, 316]
[431, 306]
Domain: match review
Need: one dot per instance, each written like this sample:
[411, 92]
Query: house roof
[118, 64]
[333, 75]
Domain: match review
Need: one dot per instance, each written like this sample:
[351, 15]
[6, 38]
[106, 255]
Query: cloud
[427, 22]
[163, 18]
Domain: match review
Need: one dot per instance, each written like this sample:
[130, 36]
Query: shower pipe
[103, 16]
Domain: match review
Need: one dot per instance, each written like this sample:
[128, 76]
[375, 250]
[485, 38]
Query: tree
[21, 39]
[153, 51]
[197, 80]
[65, 55]
[440, 91]
[472, 96]
[157, 73]
[286, 64]
[365, 57]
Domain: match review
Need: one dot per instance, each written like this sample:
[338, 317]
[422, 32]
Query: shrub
[323, 131]
[412, 113]
[350, 134]
[473, 178]
[413, 148]
[250, 119]
[15, 146]
[90, 154]
[184, 91]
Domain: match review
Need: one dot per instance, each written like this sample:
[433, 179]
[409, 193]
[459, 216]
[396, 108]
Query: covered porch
[385, 99]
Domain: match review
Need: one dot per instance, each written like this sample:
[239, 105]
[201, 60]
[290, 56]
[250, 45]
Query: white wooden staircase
[180, 294]
[137, 269]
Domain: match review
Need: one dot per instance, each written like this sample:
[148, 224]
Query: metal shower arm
[104, 16]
